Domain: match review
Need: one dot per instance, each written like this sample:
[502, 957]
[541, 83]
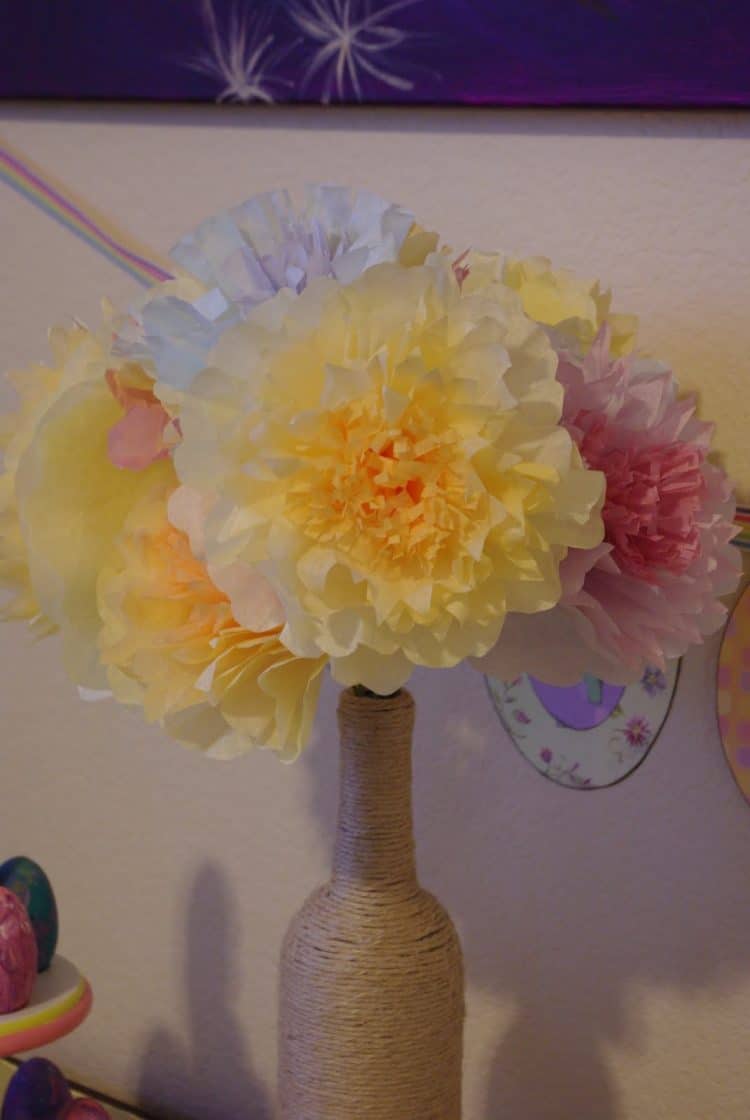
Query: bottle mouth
[362, 691]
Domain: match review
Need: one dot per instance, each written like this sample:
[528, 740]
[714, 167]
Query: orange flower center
[392, 496]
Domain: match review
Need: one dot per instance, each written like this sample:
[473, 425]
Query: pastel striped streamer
[73, 212]
[742, 520]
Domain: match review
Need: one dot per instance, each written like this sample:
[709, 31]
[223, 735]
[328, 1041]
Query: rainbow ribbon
[79, 217]
[742, 519]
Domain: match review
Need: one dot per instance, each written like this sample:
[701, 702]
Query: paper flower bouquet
[333, 441]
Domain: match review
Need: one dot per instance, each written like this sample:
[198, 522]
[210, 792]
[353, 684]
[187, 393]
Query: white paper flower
[242, 257]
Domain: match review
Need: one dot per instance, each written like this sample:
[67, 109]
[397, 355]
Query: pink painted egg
[18, 953]
[84, 1109]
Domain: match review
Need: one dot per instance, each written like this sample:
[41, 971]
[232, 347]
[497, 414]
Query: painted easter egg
[85, 1109]
[583, 705]
[36, 1091]
[18, 954]
[590, 735]
[733, 693]
[27, 880]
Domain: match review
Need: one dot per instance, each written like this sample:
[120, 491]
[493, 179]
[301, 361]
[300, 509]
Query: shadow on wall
[570, 904]
[657, 124]
[209, 1073]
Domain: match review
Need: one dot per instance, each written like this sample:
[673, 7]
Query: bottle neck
[375, 837]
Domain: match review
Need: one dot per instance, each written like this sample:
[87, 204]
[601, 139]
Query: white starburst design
[241, 56]
[354, 40]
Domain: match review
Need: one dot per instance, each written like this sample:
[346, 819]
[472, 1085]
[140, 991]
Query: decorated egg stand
[42, 994]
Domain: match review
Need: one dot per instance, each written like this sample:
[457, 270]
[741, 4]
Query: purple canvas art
[478, 52]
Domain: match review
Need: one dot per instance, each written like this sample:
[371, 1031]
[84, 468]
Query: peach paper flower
[170, 643]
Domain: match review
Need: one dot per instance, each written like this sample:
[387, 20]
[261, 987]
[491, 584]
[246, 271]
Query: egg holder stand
[60, 1002]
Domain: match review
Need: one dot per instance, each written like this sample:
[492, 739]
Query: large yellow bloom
[388, 454]
[62, 499]
[558, 298]
[77, 356]
[170, 642]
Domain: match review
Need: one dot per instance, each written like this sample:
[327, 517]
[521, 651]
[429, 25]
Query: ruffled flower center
[654, 498]
[394, 497]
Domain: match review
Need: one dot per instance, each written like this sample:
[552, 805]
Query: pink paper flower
[146, 432]
[652, 588]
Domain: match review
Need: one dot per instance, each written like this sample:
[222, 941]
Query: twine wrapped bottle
[372, 1006]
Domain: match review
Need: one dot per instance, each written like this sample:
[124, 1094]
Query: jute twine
[371, 1016]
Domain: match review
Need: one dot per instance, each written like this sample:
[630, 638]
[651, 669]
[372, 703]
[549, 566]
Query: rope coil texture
[372, 1006]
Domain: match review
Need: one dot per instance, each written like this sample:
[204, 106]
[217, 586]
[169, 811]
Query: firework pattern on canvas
[543, 52]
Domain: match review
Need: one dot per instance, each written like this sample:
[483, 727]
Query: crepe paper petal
[579, 743]
[136, 441]
[733, 693]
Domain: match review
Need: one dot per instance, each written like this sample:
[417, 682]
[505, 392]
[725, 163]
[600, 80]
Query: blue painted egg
[28, 881]
[85, 1109]
[37, 1091]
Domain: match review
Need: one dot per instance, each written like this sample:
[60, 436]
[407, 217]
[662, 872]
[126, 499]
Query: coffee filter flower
[388, 454]
[331, 440]
[239, 259]
[170, 643]
[575, 307]
[653, 588]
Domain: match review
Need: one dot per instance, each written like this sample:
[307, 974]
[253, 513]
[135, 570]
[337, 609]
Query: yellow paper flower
[558, 298]
[64, 498]
[388, 455]
[170, 642]
[77, 356]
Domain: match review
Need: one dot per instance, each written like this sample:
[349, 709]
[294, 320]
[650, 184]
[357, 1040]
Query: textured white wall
[606, 934]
